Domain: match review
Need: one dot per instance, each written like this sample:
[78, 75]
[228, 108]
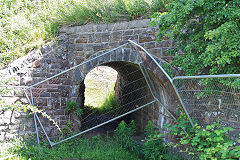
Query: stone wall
[73, 46]
[92, 38]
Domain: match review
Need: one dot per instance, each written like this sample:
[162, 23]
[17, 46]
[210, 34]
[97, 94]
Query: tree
[206, 31]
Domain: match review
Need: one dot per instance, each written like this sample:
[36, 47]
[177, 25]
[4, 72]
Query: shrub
[159, 5]
[211, 142]
[153, 146]
[206, 31]
[124, 133]
[97, 147]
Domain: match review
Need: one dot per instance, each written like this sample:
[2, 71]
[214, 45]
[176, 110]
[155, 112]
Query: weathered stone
[81, 40]
[55, 94]
[98, 47]
[139, 24]
[156, 52]
[79, 59]
[128, 32]
[116, 36]
[163, 44]
[146, 38]
[149, 45]
[120, 26]
[105, 37]
[44, 94]
[98, 37]
[113, 44]
[130, 37]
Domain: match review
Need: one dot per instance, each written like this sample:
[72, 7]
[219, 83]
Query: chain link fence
[211, 98]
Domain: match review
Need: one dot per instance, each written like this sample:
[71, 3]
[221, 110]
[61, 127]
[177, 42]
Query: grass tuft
[97, 148]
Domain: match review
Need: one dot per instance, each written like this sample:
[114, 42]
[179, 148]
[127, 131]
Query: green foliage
[160, 5]
[211, 142]
[27, 24]
[109, 104]
[153, 146]
[71, 106]
[97, 148]
[136, 8]
[67, 130]
[124, 136]
[206, 31]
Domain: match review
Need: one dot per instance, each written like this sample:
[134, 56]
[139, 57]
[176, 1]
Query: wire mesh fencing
[52, 94]
[143, 80]
[211, 98]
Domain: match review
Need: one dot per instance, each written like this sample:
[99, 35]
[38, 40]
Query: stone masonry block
[146, 38]
[120, 26]
[130, 37]
[98, 37]
[128, 32]
[139, 23]
[81, 40]
[105, 37]
[166, 43]
[156, 52]
[149, 45]
[75, 47]
[116, 36]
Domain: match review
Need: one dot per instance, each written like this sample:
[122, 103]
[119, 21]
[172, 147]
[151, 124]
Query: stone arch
[126, 61]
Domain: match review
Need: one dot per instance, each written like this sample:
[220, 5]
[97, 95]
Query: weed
[124, 135]
[71, 106]
[109, 104]
[210, 142]
[97, 148]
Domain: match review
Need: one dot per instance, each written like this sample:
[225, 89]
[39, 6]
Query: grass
[95, 148]
[121, 146]
[28, 24]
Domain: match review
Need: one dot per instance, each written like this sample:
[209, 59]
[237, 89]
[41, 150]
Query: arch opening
[99, 86]
[117, 83]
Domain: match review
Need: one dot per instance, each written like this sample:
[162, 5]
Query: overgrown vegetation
[153, 147]
[210, 142]
[27, 24]
[207, 32]
[121, 146]
[97, 148]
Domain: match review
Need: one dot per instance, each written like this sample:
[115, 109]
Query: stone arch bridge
[87, 47]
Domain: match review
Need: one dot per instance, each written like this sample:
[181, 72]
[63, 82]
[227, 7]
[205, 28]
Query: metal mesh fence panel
[211, 98]
[143, 81]
[51, 95]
